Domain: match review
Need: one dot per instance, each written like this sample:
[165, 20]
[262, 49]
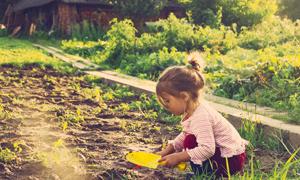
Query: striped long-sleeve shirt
[211, 130]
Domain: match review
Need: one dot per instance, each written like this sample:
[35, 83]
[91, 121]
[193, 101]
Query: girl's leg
[216, 164]
[190, 143]
[235, 163]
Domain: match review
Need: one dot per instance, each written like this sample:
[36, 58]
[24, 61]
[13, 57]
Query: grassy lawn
[21, 52]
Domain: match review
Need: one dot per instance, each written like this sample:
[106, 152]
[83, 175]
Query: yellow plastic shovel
[149, 160]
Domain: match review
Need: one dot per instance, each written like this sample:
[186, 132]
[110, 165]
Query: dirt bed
[37, 103]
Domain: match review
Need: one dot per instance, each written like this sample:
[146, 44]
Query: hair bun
[195, 61]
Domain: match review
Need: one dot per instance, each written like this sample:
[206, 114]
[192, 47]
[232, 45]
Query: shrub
[81, 48]
[176, 33]
[272, 32]
[217, 40]
[87, 31]
[246, 12]
[120, 40]
[151, 65]
[3, 32]
[241, 12]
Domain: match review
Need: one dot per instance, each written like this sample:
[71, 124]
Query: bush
[176, 33]
[272, 32]
[217, 40]
[268, 77]
[149, 43]
[151, 65]
[120, 40]
[241, 12]
[290, 8]
[85, 49]
[3, 32]
[260, 65]
[246, 12]
[87, 31]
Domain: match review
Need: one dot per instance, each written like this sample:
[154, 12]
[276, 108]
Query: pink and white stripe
[211, 130]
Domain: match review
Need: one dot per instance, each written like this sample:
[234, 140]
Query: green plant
[120, 38]
[287, 170]
[6, 155]
[71, 118]
[87, 31]
[253, 132]
[139, 10]
[3, 32]
[4, 114]
[93, 94]
[290, 8]
[123, 107]
[271, 32]
[86, 49]
[241, 12]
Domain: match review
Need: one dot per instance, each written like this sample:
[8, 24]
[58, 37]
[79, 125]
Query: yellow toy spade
[149, 160]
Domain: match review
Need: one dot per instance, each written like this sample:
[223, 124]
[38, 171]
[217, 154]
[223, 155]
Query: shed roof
[25, 4]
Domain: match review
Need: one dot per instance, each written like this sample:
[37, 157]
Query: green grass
[20, 53]
[287, 170]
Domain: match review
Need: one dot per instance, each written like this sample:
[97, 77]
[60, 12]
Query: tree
[290, 8]
[139, 10]
[3, 6]
[241, 12]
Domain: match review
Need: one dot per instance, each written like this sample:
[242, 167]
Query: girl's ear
[185, 96]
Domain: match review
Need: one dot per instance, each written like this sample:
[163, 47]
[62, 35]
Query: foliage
[290, 8]
[246, 12]
[82, 48]
[6, 155]
[120, 38]
[271, 32]
[241, 12]
[139, 9]
[87, 31]
[259, 64]
[3, 32]
[151, 65]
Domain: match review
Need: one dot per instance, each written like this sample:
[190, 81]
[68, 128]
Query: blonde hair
[187, 78]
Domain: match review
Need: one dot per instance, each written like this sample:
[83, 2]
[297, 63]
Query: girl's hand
[174, 159]
[169, 150]
[170, 160]
[161, 153]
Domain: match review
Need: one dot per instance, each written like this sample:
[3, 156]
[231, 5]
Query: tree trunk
[67, 17]
[8, 16]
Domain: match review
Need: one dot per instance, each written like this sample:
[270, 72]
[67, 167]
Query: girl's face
[175, 105]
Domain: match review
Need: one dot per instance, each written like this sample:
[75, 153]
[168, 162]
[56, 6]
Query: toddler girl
[208, 140]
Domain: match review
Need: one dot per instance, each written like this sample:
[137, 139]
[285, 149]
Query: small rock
[82, 157]
[4, 169]
[54, 177]
[33, 178]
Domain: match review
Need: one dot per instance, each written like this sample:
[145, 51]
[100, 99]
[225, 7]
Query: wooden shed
[61, 15]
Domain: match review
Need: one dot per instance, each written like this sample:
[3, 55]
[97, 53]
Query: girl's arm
[204, 133]
[169, 150]
[174, 146]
